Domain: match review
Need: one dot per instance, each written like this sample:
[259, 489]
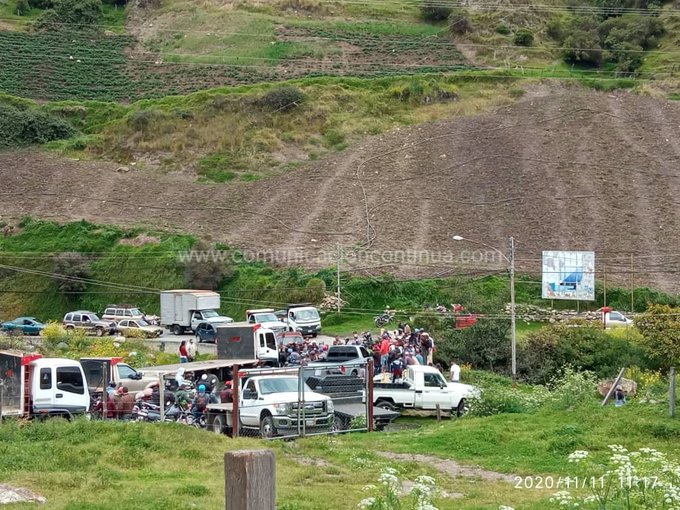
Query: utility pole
[632, 284]
[512, 311]
[604, 267]
[338, 291]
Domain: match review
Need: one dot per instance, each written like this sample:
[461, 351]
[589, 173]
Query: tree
[432, 10]
[660, 328]
[485, 345]
[86, 14]
[524, 37]
[69, 271]
[581, 47]
[205, 272]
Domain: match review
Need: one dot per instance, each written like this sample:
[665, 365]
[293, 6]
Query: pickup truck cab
[120, 373]
[425, 388]
[266, 318]
[351, 357]
[614, 319]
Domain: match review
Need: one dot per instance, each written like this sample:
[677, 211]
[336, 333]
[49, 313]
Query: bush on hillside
[70, 271]
[40, 4]
[206, 271]
[459, 21]
[524, 37]
[582, 48]
[434, 10]
[282, 99]
[660, 328]
[22, 7]
[547, 351]
[81, 14]
[20, 127]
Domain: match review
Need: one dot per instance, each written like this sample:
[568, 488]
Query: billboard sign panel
[569, 275]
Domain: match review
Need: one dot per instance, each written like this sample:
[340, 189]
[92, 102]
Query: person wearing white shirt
[455, 371]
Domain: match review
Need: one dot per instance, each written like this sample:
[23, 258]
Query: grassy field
[135, 465]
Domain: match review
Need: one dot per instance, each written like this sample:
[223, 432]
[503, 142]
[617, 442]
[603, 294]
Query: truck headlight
[281, 408]
[329, 406]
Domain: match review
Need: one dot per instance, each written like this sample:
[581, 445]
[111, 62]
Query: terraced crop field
[91, 66]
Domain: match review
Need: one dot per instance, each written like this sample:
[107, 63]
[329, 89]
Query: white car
[139, 325]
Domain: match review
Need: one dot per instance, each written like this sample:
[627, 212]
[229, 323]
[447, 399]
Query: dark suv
[90, 322]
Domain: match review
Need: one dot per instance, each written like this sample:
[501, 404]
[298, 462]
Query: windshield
[94, 317]
[307, 315]
[265, 317]
[279, 385]
[143, 323]
[209, 314]
[136, 311]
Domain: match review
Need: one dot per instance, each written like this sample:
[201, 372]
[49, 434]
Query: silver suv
[90, 322]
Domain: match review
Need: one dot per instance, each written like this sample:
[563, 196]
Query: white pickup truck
[423, 387]
[270, 405]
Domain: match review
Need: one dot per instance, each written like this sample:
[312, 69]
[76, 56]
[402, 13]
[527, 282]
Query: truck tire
[99, 332]
[198, 339]
[267, 429]
[218, 424]
[340, 423]
[177, 330]
[460, 410]
[384, 404]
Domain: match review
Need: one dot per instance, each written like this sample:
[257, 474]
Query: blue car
[27, 325]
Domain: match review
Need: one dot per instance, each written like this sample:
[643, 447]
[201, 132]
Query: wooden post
[235, 397]
[671, 393]
[613, 388]
[439, 413]
[369, 397]
[161, 396]
[105, 387]
[250, 480]
[2, 387]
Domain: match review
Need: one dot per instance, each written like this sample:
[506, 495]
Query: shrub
[660, 328]
[572, 388]
[144, 120]
[434, 11]
[22, 7]
[556, 29]
[502, 29]
[204, 274]
[83, 14]
[524, 37]
[484, 346]
[70, 271]
[502, 399]
[282, 99]
[40, 4]
[459, 21]
[583, 48]
[20, 127]
[542, 358]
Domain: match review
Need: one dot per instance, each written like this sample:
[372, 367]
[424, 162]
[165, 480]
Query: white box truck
[184, 309]
[242, 340]
[304, 318]
[36, 386]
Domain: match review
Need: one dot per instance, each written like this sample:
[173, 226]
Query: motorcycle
[384, 319]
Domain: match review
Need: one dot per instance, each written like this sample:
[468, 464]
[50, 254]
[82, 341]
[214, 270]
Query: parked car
[614, 319]
[205, 332]
[27, 326]
[88, 321]
[119, 312]
[140, 325]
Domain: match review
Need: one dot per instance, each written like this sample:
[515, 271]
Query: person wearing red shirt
[384, 353]
[183, 355]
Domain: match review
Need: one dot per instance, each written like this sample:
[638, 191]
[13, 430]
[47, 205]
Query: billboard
[569, 275]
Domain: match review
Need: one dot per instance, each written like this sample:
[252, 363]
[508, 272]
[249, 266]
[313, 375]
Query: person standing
[191, 350]
[455, 371]
[384, 353]
[183, 355]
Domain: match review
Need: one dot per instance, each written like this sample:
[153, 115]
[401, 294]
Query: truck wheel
[340, 423]
[384, 404]
[267, 429]
[218, 424]
[99, 331]
[460, 410]
[177, 330]
[198, 339]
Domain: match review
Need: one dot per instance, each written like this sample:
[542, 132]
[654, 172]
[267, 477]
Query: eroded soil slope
[562, 170]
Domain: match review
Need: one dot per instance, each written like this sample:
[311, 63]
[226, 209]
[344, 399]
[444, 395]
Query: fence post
[250, 480]
[235, 397]
[161, 396]
[105, 387]
[671, 393]
[613, 388]
[2, 387]
[439, 413]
